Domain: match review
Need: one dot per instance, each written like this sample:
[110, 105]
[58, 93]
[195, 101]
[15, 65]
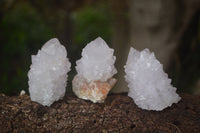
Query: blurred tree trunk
[152, 26]
[120, 40]
[64, 29]
[187, 62]
[155, 24]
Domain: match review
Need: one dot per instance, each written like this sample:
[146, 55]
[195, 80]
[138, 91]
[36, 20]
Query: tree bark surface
[117, 114]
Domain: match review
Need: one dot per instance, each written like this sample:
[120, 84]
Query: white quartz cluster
[48, 73]
[97, 62]
[94, 72]
[149, 85]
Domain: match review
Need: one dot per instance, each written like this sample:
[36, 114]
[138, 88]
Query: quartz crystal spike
[149, 86]
[94, 72]
[48, 73]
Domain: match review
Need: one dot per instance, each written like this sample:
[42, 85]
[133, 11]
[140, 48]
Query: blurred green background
[25, 25]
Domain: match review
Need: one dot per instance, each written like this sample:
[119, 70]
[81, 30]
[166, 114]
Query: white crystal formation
[97, 62]
[94, 72]
[149, 86]
[48, 73]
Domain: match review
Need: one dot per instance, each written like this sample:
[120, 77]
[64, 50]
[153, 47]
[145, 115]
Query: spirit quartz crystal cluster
[48, 73]
[94, 72]
[149, 85]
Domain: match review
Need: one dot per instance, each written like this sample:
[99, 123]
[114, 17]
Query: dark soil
[117, 114]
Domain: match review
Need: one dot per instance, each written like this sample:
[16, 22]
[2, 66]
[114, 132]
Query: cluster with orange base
[95, 70]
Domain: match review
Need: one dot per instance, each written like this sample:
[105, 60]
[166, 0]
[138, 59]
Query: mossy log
[117, 114]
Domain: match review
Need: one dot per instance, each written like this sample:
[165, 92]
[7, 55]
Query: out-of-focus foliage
[24, 29]
[23, 32]
[90, 23]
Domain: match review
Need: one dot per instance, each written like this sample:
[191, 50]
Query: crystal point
[48, 73]
[95, 67]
